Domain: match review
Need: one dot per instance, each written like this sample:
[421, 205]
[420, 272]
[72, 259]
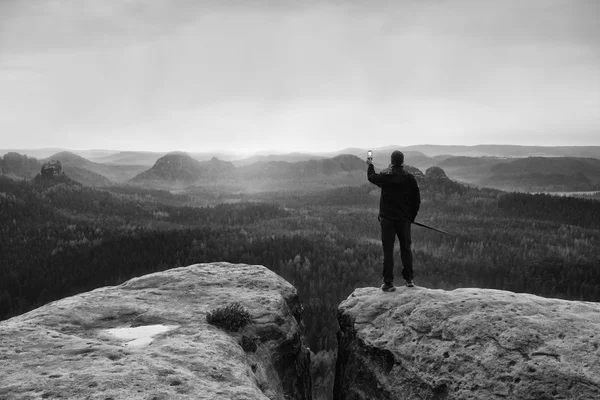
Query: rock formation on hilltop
[51, 169]
[172, 167]
[419, 176]
[216, 168]
[466, 344]
[181, 169]
[149, 339]
[436, 173]
[436, 180]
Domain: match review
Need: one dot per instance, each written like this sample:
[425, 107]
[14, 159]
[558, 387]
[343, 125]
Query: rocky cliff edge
[417, 343]
[148, 339]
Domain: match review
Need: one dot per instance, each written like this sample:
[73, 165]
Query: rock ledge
[68, 349]
[417, 343]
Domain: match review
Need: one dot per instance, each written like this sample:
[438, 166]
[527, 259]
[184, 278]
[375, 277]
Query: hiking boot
[388, 287]
[410, 283]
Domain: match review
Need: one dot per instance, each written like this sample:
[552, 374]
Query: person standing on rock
[398, 207]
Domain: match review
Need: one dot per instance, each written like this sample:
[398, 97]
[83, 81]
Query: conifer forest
[59, 238]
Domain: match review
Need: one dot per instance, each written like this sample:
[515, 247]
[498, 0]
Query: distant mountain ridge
[529, 174]
[269, 172]
[92, 173]
[129, 158]
[80, 170]
[500, 150]
[178, 170]
[303, 169]
[289, 157]
[134, 157]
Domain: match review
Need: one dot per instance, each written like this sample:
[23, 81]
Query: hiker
[398, 207]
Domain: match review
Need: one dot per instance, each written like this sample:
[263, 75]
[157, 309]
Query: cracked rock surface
[148, 339]
[417, 343]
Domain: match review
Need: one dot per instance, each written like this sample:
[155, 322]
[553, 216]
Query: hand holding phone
[369, 157]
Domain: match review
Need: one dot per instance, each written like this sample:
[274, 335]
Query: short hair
[397, 158]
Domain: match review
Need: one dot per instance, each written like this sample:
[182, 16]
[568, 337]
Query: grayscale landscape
[185, 211]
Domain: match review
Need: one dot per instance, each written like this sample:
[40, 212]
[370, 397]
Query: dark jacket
[400, 196]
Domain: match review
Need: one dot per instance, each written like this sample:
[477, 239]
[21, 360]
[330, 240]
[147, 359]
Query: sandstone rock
[51, 169]
[436, 173]
[419, 176]
[417, 343]
[148, 339]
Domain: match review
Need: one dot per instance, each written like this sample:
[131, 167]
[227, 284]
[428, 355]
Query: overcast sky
[202, 75]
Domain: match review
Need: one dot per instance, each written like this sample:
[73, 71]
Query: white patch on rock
[85, 346]
[140, 335]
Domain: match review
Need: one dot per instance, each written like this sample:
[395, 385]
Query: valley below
[312, 219]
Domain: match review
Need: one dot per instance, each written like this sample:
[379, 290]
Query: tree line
[60, 238]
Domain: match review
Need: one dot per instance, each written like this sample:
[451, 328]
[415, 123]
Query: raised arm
[375, 178]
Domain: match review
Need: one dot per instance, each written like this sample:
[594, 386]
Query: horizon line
[276, 151]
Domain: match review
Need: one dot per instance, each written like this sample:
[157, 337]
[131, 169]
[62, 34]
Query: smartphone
[369, 154]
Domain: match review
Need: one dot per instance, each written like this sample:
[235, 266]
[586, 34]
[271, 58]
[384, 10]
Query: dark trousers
[389, 230]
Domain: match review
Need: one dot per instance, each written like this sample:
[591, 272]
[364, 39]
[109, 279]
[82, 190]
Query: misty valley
[69, 223]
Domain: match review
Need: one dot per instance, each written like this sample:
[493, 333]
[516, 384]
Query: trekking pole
[432, 228]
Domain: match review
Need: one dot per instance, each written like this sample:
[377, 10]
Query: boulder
[149, 339]
[417, 343]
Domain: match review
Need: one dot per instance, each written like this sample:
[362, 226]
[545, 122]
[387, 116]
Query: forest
[59, 238]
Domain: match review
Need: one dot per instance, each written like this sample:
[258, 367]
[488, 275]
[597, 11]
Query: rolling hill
[177, 170]
[289, 157]
[510, 151]
[77, 168]
[85, 171]
[531, 174]
[536, 174]
[142, 158]
[180, 170]
[470, 169]
[303, 169]
[17, 166]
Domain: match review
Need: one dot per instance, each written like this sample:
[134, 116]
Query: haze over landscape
[297, 76]
[140, 136]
